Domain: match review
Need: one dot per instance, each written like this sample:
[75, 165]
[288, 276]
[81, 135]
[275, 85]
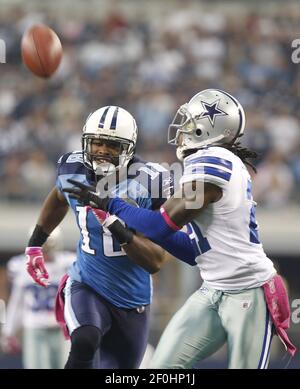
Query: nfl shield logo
[246, 304]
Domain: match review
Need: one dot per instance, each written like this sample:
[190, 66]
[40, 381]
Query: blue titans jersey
[101, 263]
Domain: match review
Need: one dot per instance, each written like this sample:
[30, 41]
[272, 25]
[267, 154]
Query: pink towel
[60, 305]
[278, 304]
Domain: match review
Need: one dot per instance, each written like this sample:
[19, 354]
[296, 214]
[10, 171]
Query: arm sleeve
[148, 222]
[154, 227]
[180, 246]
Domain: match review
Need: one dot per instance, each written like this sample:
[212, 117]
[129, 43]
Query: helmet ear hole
[198, 132]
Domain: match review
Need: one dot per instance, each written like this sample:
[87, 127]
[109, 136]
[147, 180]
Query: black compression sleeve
[38, 237]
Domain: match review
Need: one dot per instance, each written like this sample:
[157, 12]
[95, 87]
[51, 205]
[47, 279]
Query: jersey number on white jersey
[199, 242]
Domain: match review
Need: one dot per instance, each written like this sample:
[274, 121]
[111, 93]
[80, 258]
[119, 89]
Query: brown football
[41, 50]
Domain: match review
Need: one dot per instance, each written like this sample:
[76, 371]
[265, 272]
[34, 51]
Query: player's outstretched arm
[189, 202]
[179, 210]
[52, 213]
[142, 250]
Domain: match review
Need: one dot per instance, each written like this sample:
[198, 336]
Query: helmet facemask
[181, 123]
[105, 163]
[183, 129]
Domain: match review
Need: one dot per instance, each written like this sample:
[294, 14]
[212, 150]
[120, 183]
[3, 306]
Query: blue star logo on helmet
[211, 111]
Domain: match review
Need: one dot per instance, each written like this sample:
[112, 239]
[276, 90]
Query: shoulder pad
[70, 163]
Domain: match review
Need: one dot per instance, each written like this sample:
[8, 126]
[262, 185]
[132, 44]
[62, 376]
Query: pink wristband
[168, 220]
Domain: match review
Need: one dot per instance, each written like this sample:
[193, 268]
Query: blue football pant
[124, 332]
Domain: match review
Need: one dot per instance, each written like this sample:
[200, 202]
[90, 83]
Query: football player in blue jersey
[106, 295]
[242, 297]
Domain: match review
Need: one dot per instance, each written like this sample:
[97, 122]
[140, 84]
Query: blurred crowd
[150, 66]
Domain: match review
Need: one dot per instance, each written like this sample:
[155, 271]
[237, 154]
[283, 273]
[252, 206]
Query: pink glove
[35, 265]
[100, 215]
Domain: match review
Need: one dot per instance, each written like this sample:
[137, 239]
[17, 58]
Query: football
[41, 50]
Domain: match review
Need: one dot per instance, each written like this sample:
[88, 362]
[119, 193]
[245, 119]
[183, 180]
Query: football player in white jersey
[31, 309]
[242, 299]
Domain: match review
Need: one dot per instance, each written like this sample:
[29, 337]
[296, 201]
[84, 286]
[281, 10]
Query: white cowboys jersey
[225, 234]
[30, 305]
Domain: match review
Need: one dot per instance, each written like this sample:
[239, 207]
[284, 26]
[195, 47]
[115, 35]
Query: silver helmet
[211, 117]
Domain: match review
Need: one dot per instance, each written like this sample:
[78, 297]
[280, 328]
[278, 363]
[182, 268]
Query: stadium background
[149, 57]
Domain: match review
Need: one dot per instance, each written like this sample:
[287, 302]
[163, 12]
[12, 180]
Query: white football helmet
[211, 117]
[114, 125]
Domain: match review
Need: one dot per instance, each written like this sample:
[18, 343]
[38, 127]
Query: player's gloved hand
[35, 265]
[86, 195]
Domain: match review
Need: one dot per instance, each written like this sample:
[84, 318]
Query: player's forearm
[175, 212]
[149, 223]
[153, 226]
[146, 254]
[53, 211]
